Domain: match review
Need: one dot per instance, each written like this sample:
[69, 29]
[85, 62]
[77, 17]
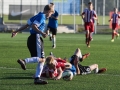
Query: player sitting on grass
[78, 57]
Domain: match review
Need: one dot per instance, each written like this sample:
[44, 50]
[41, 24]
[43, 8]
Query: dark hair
[48, 7]
[90, 3]
[52, 3]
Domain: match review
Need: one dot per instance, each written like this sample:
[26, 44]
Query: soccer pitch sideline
[103, 52]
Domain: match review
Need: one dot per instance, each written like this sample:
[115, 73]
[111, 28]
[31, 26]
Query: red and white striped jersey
[89, 15]
[115, 17]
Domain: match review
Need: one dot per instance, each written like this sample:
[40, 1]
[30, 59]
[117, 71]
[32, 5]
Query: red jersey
[53, 72]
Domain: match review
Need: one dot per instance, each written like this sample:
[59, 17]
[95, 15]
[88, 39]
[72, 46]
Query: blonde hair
[49, 7]
[49, 60]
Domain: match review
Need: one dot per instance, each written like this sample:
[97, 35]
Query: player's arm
[110, 20]
[20, 29]
[82, 16]
[34, 26]
[68, 65]
[59, 70]
[96, 17]
[56, 18]
[41, 60]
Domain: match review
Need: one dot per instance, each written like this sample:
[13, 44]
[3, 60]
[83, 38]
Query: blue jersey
[73, 70]
[53, 22]
[38, 20]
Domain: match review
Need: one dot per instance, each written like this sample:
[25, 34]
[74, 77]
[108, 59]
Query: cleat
[51, 54]
[102, 70]
[54, 46]
[40, 81]
[117, 36]
[22, 63]
[88, 46]
[91, 39]
[112, 40]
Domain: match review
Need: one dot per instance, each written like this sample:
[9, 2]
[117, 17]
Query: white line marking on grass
[14, 68]
[109, 74]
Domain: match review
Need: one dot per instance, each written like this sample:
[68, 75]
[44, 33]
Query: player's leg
[79, 54]
[31, 44]
[116, 31]
[54, 32]
[23, 62]
[87, 37]
[86, 33]
[48, 33]
[38, 73]
[94, 67]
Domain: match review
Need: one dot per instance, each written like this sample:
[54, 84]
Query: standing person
[87, 16]
[52, 27]
[35, 41]
[80, 69]
[37, 26]
[114, 18]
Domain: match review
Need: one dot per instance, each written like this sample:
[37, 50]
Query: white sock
[96, 70]
[54, 41]
[80, 55]
[39, 69]
[32, 60]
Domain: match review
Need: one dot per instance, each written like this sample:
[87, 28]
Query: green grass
[66, 19]
[103, 52]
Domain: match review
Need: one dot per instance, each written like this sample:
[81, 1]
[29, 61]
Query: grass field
[64, 19]
[103, 52]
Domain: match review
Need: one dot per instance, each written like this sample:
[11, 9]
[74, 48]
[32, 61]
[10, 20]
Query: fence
[18, 11]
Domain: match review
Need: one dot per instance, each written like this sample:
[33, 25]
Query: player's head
[48, 10]
[115, 10]
[50, 62]
[52, 4]
[90, 5]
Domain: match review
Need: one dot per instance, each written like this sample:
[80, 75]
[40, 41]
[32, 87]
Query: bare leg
[94, 67]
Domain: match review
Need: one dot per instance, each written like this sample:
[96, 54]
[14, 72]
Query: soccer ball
[67, 75]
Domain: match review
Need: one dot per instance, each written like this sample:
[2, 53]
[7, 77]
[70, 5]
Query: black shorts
[53, 30]
[35, 45]
[83, 69]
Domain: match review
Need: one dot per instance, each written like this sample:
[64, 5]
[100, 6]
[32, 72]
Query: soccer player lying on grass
[55, 68]
[78, 57]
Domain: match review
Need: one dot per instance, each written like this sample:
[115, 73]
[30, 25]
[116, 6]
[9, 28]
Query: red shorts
[89, 26]
[114, 26]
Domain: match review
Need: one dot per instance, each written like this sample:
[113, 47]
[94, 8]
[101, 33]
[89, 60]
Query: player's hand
[109, 20]
[44, 35]
[13, 34]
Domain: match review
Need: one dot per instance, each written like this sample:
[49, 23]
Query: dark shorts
[83, 69]
[53, 30]
[35, 45]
